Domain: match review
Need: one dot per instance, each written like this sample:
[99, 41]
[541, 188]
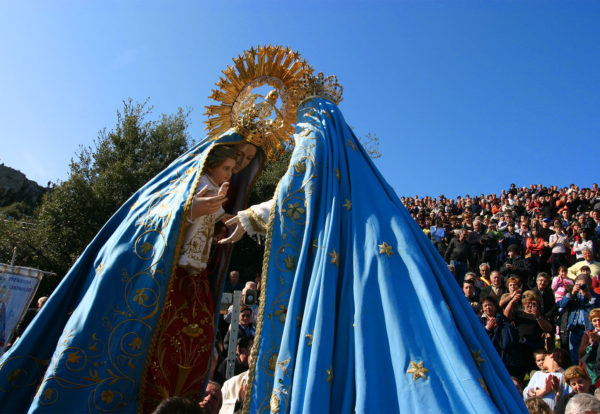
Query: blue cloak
[86, 350]
[358, 310]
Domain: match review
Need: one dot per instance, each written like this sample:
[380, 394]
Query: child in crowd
[539, 357]
[549, 384]
[561, 284]
[217, 171]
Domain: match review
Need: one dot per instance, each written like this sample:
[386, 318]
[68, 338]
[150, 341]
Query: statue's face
[244, 154]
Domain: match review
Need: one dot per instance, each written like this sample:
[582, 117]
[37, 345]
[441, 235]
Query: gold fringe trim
[261, 309]
[181, 236]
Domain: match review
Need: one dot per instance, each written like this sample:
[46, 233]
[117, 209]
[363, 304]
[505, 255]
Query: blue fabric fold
[86, 349]
[356, 299]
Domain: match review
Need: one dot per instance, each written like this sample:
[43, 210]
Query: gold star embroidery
[348, 205]
[99, 268]
[351, 144]
[484, 386]
[337, 173]
[305, 132]
[310, 338]
[329, 374]
[334, 257]
[386, 249]
[418, 370]
[477, 357]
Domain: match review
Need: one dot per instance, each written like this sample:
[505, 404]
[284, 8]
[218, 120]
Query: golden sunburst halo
[276, 66]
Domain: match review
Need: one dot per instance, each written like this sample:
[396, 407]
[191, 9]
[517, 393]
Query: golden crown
[319, 86]
[264, 120]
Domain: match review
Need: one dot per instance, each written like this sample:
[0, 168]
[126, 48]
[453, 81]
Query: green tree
[101, 179]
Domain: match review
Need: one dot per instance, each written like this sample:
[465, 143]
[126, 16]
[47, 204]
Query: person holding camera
[578, 303]
[530, 324]
[249, 299]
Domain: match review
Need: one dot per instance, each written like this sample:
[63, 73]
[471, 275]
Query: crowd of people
[527, 262]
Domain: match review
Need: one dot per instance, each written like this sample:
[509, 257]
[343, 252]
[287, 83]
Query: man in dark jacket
[517, 265]
[547, 301]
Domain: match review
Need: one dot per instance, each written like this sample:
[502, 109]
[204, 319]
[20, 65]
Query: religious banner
[17, 288]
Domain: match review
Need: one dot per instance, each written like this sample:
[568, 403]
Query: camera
[250, 297]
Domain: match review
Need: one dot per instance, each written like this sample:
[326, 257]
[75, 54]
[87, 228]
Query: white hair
[582, 404]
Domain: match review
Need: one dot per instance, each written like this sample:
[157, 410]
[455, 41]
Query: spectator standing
[502, 334]
[559, 243]
[588, 260]
[470, 292]
[534, 250]
[582, 242]
[550, 385]
[474, 238]
[517, 265]
[546, 297]
[576, 377]
[588, 349]
[531, 326]
[242, 359]
[484, 274]
[496, 288]
[213, 398]
[513, 296]
[578, 303]
[561, 284]
[583, 404]
[511, 237]
[233, 282]
[546, 231]
[458, 254]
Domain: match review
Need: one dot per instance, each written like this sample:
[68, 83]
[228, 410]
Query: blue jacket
[578, 309]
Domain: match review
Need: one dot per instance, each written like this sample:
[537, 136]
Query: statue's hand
[238, 231]
[202, 205]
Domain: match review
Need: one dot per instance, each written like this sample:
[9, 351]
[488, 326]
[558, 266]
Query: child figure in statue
[218, 169]
[178, 364]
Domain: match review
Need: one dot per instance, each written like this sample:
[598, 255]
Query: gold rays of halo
[276, 66]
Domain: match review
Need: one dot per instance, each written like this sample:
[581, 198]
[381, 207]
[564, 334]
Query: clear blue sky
[466, 97]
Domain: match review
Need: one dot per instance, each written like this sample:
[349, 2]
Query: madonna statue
[358, 311]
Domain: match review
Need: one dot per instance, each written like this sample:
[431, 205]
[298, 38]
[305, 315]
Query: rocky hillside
[18, 195]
